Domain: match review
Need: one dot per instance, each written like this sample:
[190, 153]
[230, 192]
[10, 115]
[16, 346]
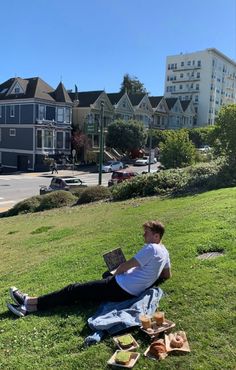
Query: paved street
[18, 186]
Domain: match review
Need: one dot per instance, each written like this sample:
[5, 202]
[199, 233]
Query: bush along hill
[173, 182]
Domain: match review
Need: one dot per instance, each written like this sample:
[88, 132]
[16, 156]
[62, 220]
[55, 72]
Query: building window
[41, 114]
[39, 140]
[60, 114]
[181, 75]
[189, 63]
[182, 64]
[59, 144]
[180, 87]
[168, 66]
[17, 90]
[0, 137]
[67, 140]
[193, 62]
[12, 132]
[197, 86]
[199, 63]
[196, 98]
[48, 139]
[67, 115]
[198, 75]
[0, 111]
[12, 111]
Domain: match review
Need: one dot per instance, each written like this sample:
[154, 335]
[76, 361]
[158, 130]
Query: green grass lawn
[45, 251]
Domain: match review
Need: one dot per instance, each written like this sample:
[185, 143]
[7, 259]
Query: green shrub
[94, 193]
[56, 199]
[204, 176]
[25, 206]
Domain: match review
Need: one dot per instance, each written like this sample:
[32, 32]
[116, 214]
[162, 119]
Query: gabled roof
[85, 98]
[171, 102]
[34, 88]
[136, 98]
[155, 100]
[185, 104]
[115, 97]
[60, 94]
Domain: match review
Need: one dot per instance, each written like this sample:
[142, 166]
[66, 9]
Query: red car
[120, 176]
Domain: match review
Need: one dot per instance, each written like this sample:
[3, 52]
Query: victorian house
[88, 109]
[35, 123]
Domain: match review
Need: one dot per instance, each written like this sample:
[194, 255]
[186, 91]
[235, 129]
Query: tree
[200, 135]
[178, 150]
[132, 85]
[225, 131]
[126, 135]
[158, 136]
[79, 141]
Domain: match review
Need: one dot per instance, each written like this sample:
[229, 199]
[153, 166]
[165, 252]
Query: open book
[113, 259]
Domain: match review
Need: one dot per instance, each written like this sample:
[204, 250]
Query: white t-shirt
[153, 258]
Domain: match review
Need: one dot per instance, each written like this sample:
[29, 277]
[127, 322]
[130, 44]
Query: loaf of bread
[157, 348]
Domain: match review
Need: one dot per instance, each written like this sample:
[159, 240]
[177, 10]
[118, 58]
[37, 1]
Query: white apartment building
[208, 77]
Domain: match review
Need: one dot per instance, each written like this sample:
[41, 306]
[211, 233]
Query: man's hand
[125, 266]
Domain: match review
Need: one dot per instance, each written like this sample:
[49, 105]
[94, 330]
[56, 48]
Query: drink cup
[159, 317]
[145, 321]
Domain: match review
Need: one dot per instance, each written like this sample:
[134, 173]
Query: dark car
[120, 176]
[62, 183]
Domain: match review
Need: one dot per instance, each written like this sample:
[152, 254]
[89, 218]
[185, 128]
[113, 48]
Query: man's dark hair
[155, 227]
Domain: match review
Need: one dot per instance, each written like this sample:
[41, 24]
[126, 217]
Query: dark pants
[98, 290]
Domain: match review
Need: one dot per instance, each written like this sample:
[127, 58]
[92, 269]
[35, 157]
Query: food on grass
[125, 341]
[177, 341]
[157, 348]
[123, 357]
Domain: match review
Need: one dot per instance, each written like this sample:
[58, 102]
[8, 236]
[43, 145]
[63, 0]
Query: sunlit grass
[45, 251]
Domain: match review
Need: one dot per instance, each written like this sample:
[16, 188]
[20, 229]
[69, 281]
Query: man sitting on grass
[151, 265]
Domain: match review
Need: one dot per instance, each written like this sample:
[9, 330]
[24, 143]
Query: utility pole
[101, 143]
[150, 144]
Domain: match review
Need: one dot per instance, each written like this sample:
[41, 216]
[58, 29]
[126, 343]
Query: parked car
[111, 166]
[204, 148]
[62, 183]
[120, 176]
[144, 161]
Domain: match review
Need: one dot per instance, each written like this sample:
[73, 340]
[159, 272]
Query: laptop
[113, 259]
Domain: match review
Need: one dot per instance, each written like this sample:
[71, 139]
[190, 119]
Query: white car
[204, 149]
[144, 161]
[111, 166]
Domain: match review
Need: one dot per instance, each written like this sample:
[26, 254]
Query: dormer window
[17, 90]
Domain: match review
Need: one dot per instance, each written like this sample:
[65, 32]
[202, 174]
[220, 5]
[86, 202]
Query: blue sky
[93, 43]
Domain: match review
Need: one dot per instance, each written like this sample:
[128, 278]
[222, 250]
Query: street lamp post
[150, 144]
[101, 143]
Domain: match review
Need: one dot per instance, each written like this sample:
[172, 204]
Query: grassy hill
[45, 251]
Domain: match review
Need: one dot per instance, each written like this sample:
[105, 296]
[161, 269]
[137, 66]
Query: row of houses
[36, 120]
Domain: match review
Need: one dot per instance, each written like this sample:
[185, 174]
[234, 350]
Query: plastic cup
[145, 321]
[159, 317]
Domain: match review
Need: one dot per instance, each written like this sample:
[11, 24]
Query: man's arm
[125, 266]
[164, 275]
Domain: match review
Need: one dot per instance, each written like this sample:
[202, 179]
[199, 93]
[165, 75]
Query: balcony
[186, 79]
[186, 68]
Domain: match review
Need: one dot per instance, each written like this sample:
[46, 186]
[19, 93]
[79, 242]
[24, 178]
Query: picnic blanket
[112, 317]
